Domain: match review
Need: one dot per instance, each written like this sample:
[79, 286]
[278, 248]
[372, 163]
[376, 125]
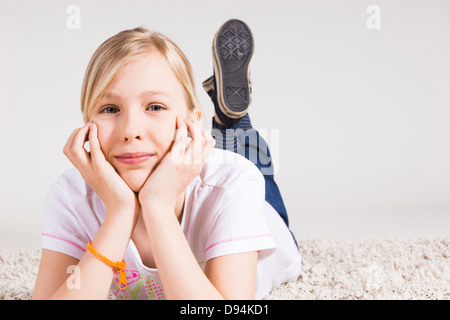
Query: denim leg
[246, 141]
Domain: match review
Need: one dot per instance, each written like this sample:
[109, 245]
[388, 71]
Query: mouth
[134, 158]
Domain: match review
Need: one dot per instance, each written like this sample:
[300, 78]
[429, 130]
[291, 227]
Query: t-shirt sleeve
[62, 230]
[240, 226]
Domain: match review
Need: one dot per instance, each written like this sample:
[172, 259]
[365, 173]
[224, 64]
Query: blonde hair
[115, 52]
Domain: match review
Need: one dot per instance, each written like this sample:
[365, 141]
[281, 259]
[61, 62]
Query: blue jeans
[243, 139]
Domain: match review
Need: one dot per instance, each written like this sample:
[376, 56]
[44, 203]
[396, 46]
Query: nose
[131, 127]
[136, 137]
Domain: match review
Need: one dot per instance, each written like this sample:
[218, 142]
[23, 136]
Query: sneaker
[232, 52]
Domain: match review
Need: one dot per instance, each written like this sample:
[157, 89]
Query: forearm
[180, 273]
[96, 276]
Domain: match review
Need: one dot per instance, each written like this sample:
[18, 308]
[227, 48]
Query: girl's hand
[99, 173]
[181, 164]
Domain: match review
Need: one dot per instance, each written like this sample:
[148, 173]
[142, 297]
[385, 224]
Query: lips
[134, 158]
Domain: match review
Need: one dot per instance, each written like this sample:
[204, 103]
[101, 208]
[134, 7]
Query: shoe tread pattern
[235, 42]
[235, 48]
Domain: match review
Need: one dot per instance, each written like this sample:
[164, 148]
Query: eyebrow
[111, 95]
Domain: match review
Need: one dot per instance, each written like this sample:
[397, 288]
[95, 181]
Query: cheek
[163, 136]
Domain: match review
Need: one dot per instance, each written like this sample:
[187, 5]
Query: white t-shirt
[225, 212]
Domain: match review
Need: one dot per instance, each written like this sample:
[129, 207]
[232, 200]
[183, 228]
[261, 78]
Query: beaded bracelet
[119, 265]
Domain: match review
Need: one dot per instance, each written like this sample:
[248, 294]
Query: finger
[75, 146]
[207, 136]
[181, 131]
[179, 145]
[67, 147]
[69, 142]
[195, 147]
[94, 144]
[194, 130]
[196, 134]
[208, 145]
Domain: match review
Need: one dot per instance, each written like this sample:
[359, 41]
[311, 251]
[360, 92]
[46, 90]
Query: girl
[153, 210]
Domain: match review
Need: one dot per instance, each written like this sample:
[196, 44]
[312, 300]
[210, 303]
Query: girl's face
[136, 118]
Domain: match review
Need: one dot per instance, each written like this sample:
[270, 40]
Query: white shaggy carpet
[332, 269]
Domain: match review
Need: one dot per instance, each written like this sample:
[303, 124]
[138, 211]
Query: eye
[155, 107]
[109, 109]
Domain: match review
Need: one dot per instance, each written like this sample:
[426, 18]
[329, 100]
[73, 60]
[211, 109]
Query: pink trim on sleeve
[238, 239]
[65, 240]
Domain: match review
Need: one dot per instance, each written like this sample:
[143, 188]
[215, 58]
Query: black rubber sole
[233, 50]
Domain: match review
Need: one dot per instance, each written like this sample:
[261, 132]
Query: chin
[136, 186]
[135, 179]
